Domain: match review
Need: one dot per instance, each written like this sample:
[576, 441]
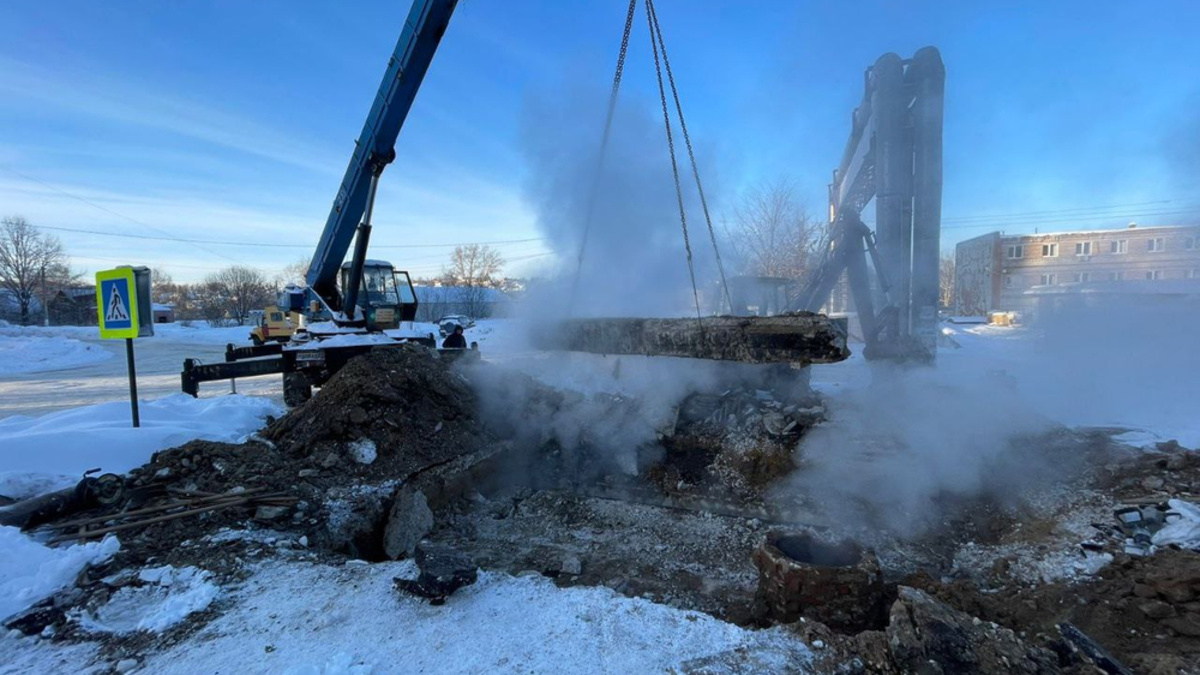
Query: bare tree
[31, 263]
[771, 233]
[473, 269]
[162, 286]
[182, 297]
[293, 273]
[229, 296]
[473, 265]
[946, 279]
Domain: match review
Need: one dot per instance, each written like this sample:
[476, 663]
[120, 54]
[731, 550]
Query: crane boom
[376, 145]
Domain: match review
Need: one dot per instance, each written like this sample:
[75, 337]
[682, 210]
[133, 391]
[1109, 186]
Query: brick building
[1023, 273]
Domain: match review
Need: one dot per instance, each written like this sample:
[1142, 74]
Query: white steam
[896, 453]
[634, 262]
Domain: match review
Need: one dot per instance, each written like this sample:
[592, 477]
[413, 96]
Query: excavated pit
[400, 448]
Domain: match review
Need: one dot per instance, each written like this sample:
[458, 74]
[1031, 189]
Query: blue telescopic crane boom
[374, 150]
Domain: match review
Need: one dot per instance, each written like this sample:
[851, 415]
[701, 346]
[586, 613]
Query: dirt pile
[1145, 611]
[1168, 471]
[336, 462]
[398, 410]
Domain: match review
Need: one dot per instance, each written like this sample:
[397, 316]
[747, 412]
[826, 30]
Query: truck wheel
[296, 389]
[255, 339]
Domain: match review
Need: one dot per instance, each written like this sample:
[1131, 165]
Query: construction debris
[408, 523]
[398, 456]
[800, 338]
[443, 571]
[188, 504]
[923, 631]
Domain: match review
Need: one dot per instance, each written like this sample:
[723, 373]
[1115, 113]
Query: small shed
[163, 313]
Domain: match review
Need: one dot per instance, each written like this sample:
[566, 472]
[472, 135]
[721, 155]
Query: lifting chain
[662, 94]
[657, 45]
[712, 234]
[612, 106]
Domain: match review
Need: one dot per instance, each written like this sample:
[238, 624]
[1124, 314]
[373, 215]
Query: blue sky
[233, 121]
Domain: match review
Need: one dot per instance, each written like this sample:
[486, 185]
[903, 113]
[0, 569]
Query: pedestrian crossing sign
[117, 303]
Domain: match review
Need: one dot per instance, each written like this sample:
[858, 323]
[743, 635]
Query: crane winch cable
[657, 44]
[662, 93]
[656, 31]
[608, 119]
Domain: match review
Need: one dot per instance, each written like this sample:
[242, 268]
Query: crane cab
[385, 295]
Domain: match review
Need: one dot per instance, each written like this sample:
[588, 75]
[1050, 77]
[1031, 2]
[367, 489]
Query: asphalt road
[158, 360]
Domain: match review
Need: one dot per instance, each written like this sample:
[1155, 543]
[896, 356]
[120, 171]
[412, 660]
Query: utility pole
[45, 300]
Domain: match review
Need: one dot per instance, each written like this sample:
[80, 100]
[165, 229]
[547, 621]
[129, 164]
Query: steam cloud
[634, 261]
[896, 453]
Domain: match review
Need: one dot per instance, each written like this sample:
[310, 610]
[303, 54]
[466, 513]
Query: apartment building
[1022, 273]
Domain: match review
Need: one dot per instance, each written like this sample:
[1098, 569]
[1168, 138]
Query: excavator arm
[894, 158]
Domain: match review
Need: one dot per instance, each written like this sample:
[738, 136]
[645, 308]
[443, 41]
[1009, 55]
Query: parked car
[447, 323]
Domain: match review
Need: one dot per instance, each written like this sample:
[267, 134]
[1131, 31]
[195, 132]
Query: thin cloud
[26, 87]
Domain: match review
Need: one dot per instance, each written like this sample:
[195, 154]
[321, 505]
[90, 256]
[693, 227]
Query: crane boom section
[375, 148]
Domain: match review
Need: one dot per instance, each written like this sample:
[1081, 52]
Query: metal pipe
[137, 422]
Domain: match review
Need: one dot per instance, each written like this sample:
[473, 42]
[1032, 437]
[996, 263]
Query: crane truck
[348, 308]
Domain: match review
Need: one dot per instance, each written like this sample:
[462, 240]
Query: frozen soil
[687, 559]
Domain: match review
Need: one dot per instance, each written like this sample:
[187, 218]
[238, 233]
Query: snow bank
[73, 332]
[197, 333]
[201, 333]
[53, 451]
[30, 572]
[32, 354]
[167, 596]
[322, 620]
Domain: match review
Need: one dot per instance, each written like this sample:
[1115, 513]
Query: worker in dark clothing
[455, 340]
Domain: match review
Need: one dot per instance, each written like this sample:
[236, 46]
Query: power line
[1005, 216]
[109, 211]
[265, 244]
[1076, 218]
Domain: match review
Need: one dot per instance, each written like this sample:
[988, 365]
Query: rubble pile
[333, 465]
[736, 443]
[746, 411]
[396, 410]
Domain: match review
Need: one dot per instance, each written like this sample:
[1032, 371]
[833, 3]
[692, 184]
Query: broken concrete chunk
[409, 521]
[443, 571]
[923, 631]
[270, 512]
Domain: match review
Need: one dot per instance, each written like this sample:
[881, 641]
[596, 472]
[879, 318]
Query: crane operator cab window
[379, 287]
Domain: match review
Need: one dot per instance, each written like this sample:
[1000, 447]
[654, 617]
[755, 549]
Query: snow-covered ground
[30, 572]
[306, 618]
[32, 354]
[1089, 378]
[197, 332]
[39, 454]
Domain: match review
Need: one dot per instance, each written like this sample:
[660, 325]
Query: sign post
[124, 313]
